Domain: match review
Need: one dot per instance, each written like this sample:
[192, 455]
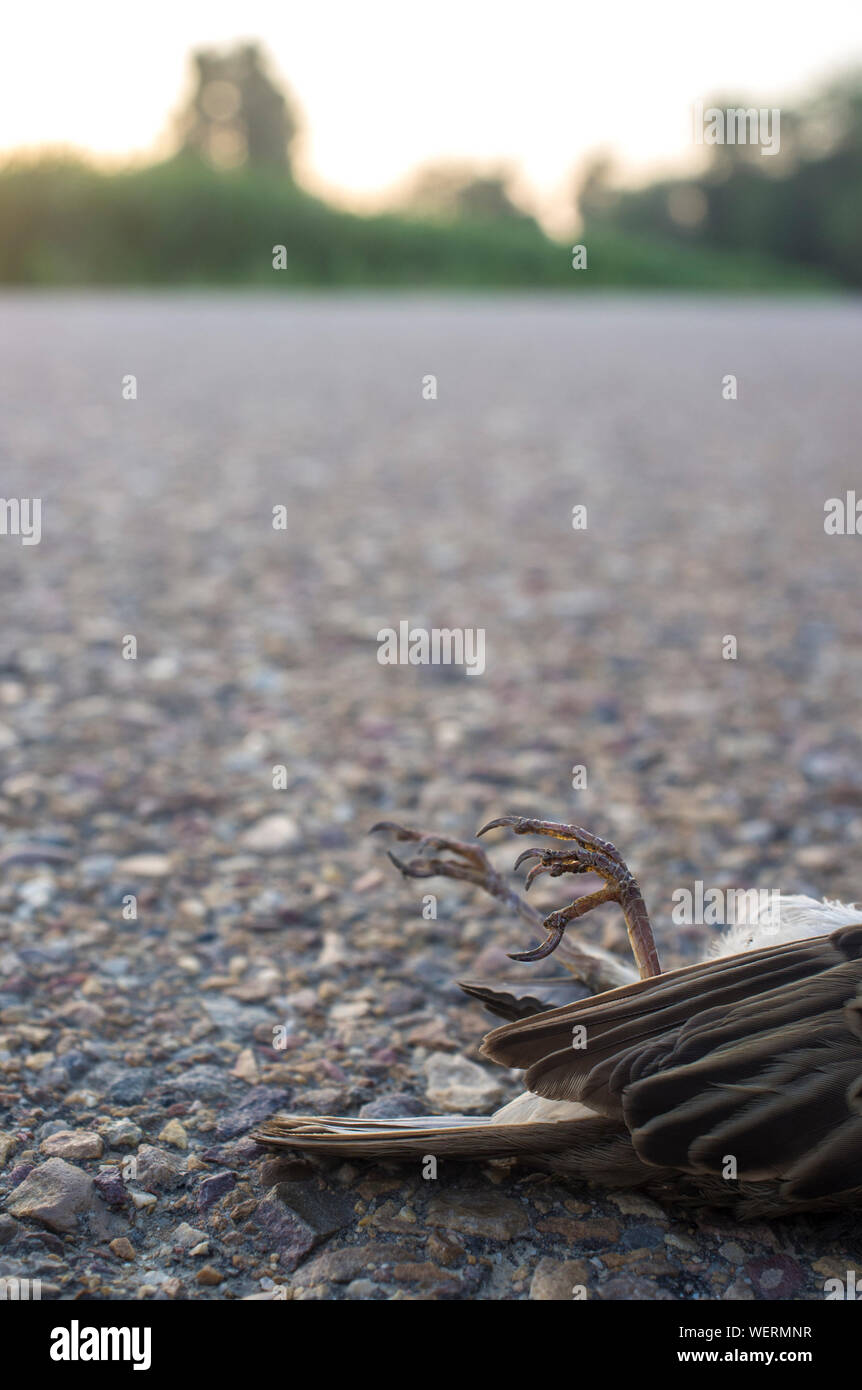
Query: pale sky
[385, 85]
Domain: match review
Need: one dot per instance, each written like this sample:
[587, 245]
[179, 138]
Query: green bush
[181, 222]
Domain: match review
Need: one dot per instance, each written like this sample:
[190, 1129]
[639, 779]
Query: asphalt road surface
[196, 732]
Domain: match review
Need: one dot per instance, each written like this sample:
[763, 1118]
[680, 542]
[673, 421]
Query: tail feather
[458, 1136]
[363, 1126]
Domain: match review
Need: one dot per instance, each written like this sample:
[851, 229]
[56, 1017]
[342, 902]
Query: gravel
[195, 930]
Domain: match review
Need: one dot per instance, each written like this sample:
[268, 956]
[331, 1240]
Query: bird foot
[590, 855]
[469, 863]
[598, 969]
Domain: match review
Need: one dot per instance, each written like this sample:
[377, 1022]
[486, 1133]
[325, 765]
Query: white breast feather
[786, 917]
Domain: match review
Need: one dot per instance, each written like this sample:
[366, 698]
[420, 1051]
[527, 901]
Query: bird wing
[513, 998]
[756, 1057]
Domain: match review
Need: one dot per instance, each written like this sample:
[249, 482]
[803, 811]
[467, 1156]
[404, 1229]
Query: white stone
[270, 834]
[458, 1085]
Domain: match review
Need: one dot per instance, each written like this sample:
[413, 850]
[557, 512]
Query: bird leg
[590, 855]
[598, 969]
[470, 863]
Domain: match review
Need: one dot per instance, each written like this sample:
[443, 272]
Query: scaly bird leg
[598, 969]
[591, 855]
[470, 864]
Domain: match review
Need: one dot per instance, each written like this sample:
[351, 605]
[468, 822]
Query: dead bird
[736, 1082]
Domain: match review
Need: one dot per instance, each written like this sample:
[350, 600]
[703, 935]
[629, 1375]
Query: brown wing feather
[649, 1007]
[511, 999]
[756, 1056]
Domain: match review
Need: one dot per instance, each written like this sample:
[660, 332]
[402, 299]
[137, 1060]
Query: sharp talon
[548, 946]
[417, 868]
[495, 824]
[527, 854]
[593, 855]
[399, 831]
[536, 872]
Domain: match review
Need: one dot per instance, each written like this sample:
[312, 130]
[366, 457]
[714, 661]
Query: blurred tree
[595, 195]
[237, 115]
[801, 204]
[458, 191]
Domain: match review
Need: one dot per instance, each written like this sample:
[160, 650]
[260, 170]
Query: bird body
[733, 1082]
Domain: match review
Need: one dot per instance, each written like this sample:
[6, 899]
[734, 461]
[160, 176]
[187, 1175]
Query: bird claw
[469, 863]
[589, 854]
[417, 868]
[527, 825]
[536, 872]
[498, 823]
[547, 947]
[527, 854]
